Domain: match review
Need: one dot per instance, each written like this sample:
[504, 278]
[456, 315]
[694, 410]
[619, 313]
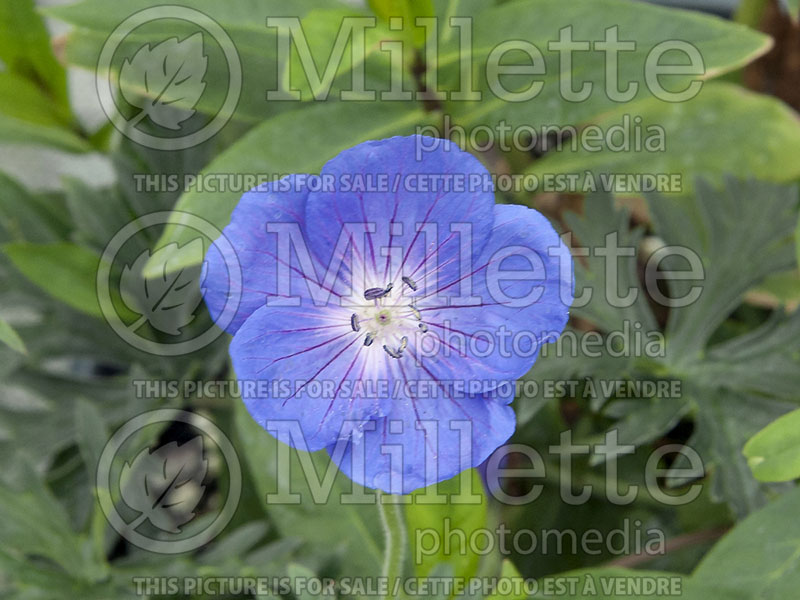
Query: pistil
[389, 318]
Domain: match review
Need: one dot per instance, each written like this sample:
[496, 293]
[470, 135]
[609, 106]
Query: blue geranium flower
[388, 306]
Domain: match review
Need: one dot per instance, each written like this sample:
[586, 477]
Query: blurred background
[76, 362]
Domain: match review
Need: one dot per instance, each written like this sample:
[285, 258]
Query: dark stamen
[410, 282]
[423, 327]
[375, 293]
[369, 339]
[390, 352]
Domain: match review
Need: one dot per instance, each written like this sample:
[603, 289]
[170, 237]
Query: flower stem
[394, 535]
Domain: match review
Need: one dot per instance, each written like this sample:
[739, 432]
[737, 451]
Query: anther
[403, 344]
[423, 327]
[354, 322]
[390, 352]
[375, 293]
[410, 283]
[369, 339]
[415, 312]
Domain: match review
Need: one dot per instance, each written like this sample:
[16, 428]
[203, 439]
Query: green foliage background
[67, 378]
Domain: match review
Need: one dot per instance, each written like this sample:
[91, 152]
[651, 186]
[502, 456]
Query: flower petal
[305, 364]
[424, 440]
[522, 288]
[382, 184]
[255, 249]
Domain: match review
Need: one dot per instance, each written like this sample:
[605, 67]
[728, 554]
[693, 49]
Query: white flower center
[385, 323]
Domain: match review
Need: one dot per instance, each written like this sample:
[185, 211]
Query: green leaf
[751, 12]
[28, 52]
[386, 9]
[29, 116]
[449, 35]
[429, 525]
[23, 99]
[27, 132]
[351, 533]
[284, 145]
[646, 422]
[236, 543]
[26, 216]
[243, 21]
[408, 10]
[600, 224]
[739, 241]
[763, 362]
[71, 357]
[741, 384]
[731, 388]
[723, 45]
[91, 436]
[32, 522]
[760, 558]
[774, 452]
[11, 338]
[63, 270]
[34, 105]
[703, 137]
[323, 30]
[97, 214]
[725, 421]
[90, 431]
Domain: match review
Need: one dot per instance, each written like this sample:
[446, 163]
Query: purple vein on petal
[300, 330]
[293, 354]
[444, 242]
[369, 235]
[453, 306]
[444, 390]
[432, 253]
[325, 366]
[416, 411]
[339, 389]
[391, 236]
[354, 245]
[452, 283]
[295, 269]
[420, 226]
